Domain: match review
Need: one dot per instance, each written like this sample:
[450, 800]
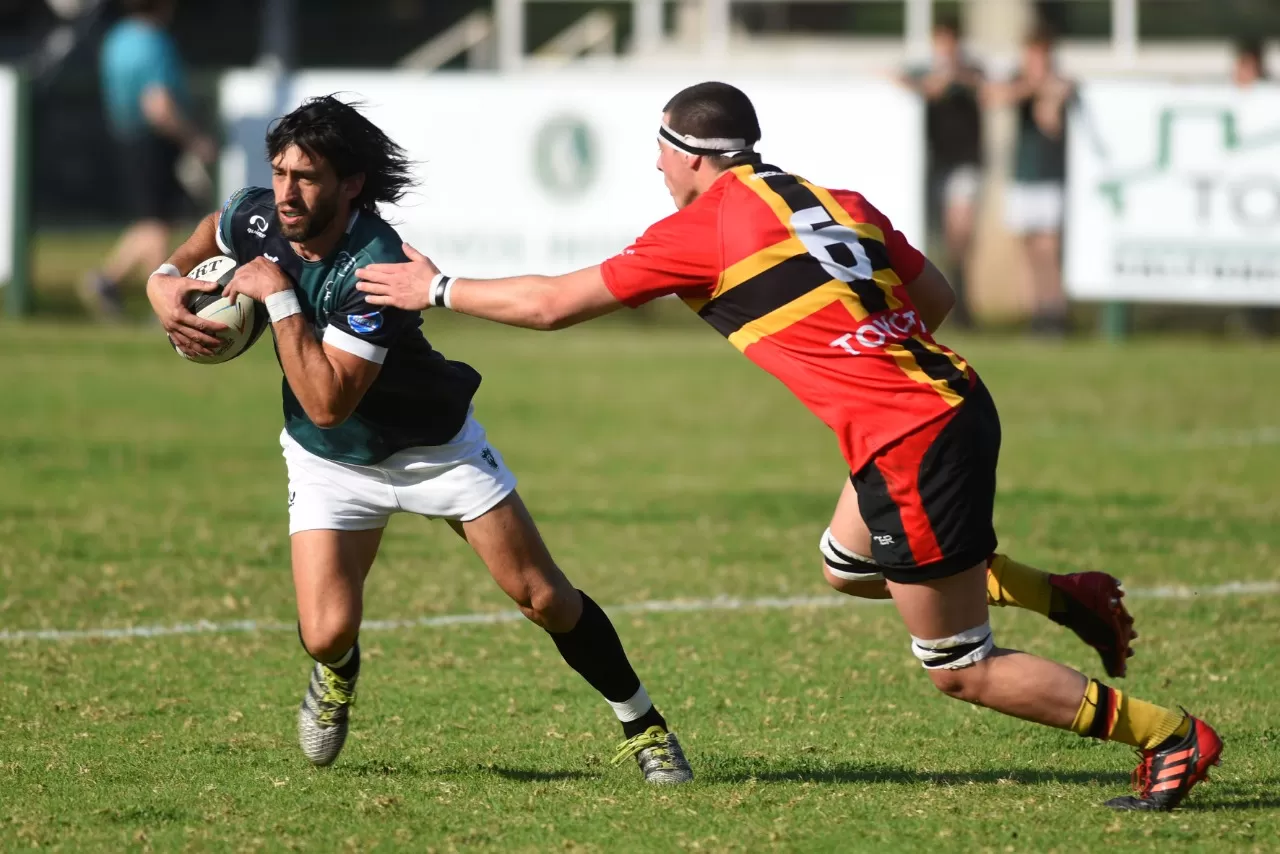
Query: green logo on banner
[564, 156]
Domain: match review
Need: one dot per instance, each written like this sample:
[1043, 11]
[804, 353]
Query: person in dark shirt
[1034, 201]
[951, 85]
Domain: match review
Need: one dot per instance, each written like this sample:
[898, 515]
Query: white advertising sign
[8, 169]
[546, 173]
[1174, 194]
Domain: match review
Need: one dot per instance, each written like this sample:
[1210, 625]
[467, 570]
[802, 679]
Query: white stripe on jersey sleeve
[217, 235]
[355, 346]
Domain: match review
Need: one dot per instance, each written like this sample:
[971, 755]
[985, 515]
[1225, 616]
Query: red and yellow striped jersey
[810, 284]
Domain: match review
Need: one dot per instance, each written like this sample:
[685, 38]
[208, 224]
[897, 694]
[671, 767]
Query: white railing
[595, 34]
[715, 36]
[473, 35]
[704, 36]
[713, 18]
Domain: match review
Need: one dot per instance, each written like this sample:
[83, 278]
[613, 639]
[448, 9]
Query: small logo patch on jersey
[884, 539]
[365, 323]
[488, 457]
[343, 265]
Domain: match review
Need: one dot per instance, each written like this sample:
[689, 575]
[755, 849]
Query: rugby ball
[245, 319]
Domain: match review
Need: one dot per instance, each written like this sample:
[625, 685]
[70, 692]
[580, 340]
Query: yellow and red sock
[1109, 715]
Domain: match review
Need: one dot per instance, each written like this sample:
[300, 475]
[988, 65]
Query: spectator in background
[1034, 202]
[951, 86]
[1251, 69]
[148, 107]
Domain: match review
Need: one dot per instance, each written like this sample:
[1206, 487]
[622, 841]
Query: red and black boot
[1091, 605]
[1167, 774]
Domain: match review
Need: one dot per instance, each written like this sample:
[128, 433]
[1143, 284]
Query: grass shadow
[376, 768]
[1220, 796]
[534, 775]
[145, 815]
[1268, 803]
[409, 769]
[848, 773]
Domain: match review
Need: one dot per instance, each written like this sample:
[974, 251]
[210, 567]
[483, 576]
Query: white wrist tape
[167, 270]
[441, 290]
[283, 304]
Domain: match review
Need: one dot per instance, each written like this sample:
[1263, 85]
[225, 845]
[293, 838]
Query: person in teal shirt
[148, 109]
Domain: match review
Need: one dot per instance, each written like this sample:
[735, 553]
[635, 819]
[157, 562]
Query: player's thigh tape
[961, 650]
[846, 563]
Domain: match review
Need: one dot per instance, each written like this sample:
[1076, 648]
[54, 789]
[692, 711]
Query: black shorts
[928, 498]
[148, 176]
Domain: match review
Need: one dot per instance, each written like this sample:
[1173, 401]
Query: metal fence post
[18, 300]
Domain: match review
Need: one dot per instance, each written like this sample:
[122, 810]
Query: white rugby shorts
[1033, 208]
[461, 480]
[962, 185]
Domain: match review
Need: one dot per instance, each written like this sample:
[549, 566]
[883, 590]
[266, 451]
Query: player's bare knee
[555, 608]
[873, 589]
[966, 684]
[550, 602]
[328, 637]
[849, 572]
[957, 665]
[834, 581]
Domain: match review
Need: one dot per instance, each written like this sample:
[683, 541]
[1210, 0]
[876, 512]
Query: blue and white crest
[365, 323]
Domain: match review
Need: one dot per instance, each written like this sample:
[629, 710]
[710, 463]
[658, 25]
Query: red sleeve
[676, 255]
[905, 259]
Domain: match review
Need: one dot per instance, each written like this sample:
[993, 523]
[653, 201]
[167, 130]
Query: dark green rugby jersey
[418, 398]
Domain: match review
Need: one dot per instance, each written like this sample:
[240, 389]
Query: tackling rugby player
[816, 287]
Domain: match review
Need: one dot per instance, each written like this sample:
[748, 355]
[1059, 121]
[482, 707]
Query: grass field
[138, 490]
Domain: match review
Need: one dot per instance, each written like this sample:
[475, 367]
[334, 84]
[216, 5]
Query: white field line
[719, 603]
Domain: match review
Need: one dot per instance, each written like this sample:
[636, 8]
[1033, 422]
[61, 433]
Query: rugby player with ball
[376, 421]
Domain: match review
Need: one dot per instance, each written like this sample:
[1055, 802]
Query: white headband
[702, 147]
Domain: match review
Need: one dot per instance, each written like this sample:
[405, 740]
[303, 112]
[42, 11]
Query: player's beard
[313, 221]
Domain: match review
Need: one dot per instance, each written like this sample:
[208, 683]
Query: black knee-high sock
[351, 667]
[593, 649]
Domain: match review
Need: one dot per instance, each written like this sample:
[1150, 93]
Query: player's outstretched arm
[167, 290]
[533, 302]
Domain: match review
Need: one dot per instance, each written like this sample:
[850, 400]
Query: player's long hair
[336, 131]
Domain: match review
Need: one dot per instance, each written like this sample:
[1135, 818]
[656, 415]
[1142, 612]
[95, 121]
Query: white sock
[636, 707]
